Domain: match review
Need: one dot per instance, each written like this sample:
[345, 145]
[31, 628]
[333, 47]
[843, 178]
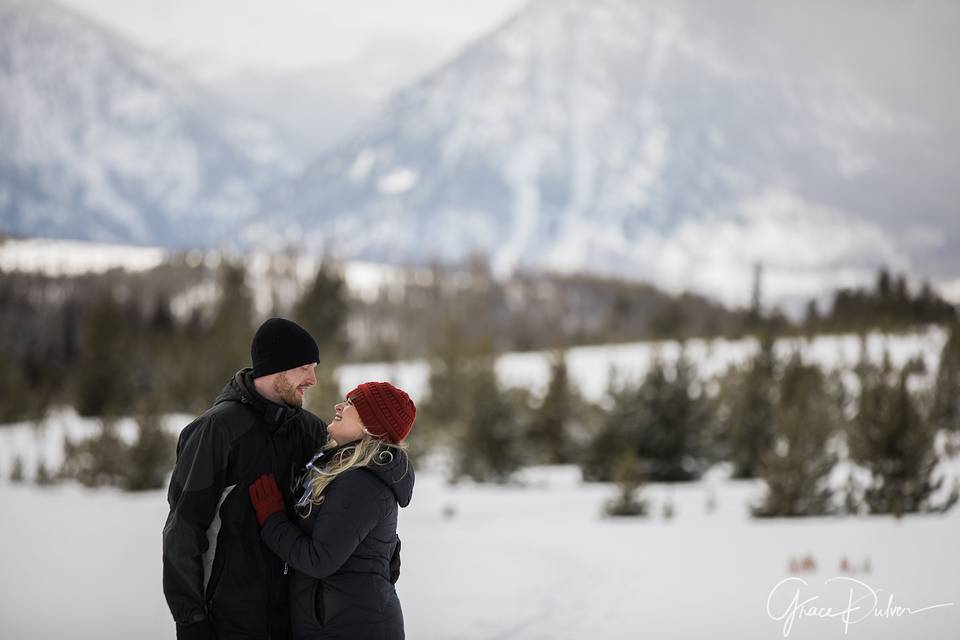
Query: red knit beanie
[386, 411]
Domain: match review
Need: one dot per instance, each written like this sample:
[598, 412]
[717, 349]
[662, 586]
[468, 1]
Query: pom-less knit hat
[385, 410]
[281, 344]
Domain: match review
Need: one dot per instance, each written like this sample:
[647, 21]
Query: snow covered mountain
[676, 141]
[102, 141]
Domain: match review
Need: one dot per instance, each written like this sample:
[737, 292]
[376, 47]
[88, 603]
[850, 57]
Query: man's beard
[287, 391]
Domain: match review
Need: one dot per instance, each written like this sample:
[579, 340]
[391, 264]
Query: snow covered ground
[535, 560]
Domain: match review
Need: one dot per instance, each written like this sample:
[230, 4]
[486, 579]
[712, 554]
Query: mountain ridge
[621, 137]
[106, 142]
[676, 142]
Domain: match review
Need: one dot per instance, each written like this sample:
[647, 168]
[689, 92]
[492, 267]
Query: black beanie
[281, 344]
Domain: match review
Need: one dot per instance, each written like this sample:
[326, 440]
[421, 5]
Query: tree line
[779, 419]
[783, 420]
[108, 344]
[165, 340]
[173, 334]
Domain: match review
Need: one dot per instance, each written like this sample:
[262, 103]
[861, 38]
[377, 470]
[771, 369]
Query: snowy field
[535, 560]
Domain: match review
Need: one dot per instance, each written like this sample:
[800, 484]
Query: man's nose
[312, 378]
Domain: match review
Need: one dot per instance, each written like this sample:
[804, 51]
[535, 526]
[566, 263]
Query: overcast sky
[222, 36]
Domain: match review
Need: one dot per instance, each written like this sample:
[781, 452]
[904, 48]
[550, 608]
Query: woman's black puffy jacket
[341, 553]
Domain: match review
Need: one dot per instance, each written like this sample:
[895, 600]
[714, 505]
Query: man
[219, 579]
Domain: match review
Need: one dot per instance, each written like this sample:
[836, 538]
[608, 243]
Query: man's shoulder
[227, 419]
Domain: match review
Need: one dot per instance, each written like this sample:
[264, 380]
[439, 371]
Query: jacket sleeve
[351, 509]
[395, 564]
[195, 490]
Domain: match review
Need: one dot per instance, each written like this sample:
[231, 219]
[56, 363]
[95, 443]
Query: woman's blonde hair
[360, 453]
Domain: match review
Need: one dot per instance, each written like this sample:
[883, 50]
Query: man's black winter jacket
[215, 567]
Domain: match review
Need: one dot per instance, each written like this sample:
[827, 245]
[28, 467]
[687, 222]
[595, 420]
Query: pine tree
[797, 468]
[615, 432]
[754, 318]
[98, 460]
[186, 379]
[892, 438]
[612, 437]
[443, 414]
[671, 418]
[322, 397]
[104, 372]
[16, 471]
[945, 412]
[12, 390]
[551, 431]
[488, 449]
[43, 477]
[323, 310]
[227, 348]
[664, 421]
[749, 423]
[669, 509]
[628, 474]
[151, 456]
[811, 318]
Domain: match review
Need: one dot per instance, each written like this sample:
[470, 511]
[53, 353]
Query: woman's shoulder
[357, 489]
[358, 480]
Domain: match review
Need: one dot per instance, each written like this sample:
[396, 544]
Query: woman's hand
[266, 497]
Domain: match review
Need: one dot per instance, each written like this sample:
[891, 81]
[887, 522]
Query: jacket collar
[241, 389]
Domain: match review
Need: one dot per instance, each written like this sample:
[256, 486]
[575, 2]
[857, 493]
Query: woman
[341, 549]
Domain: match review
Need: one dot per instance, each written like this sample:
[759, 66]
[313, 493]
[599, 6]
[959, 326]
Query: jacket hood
[240, 388]
[396, 471]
